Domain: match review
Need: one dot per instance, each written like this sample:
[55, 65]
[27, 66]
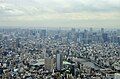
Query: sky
[60, 13]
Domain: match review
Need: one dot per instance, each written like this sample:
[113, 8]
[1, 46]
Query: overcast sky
[60, 13]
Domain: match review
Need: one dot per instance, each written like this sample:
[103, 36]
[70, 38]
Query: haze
[60, 13]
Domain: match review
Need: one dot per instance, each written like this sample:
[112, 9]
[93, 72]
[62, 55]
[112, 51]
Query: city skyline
[60, 13]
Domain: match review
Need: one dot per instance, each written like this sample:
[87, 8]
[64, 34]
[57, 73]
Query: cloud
[59, 10]
[8, 10]
[89, 6]
[68, 6]
[65, 6]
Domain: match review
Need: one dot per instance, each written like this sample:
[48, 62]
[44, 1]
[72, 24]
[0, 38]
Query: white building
[117, 76]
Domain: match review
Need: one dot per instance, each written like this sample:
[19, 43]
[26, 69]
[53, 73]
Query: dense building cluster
[59, 54]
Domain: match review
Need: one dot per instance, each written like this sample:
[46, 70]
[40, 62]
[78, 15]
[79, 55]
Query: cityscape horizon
[59, 39]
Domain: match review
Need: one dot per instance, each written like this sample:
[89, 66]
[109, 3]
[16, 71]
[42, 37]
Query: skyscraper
[49, 64]
[58, 61]
[105, 37]
[1, 36]
[43, 33]
[18, 42]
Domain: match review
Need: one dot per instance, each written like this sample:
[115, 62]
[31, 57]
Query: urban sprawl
[59, 54]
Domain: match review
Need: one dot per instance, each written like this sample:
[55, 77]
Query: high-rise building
[72, 69]
[18, 42]
[43, 33]
[44, 53]
[102, 30]
[59, 61]
[49, 64]
[118, 40]
[1, 36]
[105, 37]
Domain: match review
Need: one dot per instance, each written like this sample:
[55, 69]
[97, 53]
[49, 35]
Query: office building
[49, 64]
[59, 61]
